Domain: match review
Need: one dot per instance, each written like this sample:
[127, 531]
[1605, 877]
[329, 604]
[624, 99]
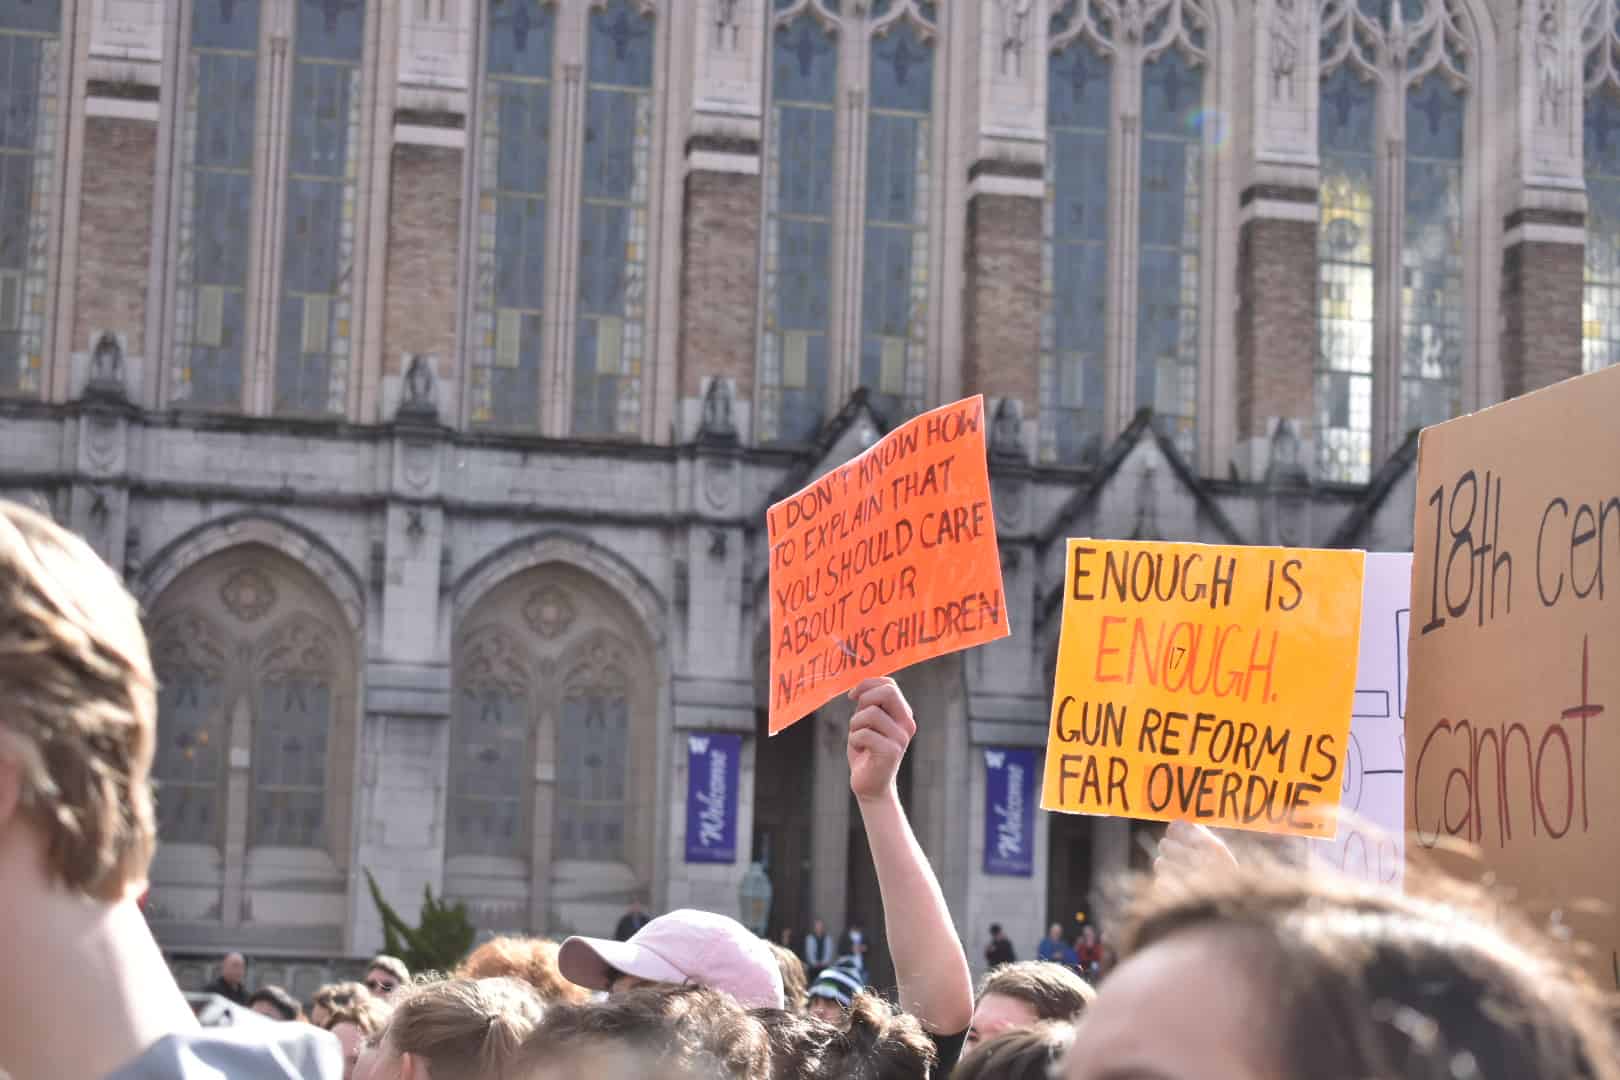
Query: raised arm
[929, 963]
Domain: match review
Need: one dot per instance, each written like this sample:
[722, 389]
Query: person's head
[386, 974]
[833, 991]
[79, 723]
[355, 1024]
[1054, 932]
[1352, 981]
[452, 1029]
[793, 976]
[819, 927]
[1022, 995]
[1088, 934]
[995, 931]
[684, 947]
[684, 1033]
[877, 1043]
[276, 1003]
[533, 960]
[333, 996]
[636, 906]
[233, 968]
[1029, 1053]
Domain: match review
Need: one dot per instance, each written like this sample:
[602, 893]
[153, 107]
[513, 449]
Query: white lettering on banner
[1010, 831]
[712, 821]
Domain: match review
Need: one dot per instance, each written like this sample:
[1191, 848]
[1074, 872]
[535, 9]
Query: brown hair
[464, 1028]
[1362, 981]
[1022, 1054]
[878, 1044]
[794, 981]
[534, 960]
[689, 1032]
[80, 705]
[1052, 990]
[341, 995]
[369, 1014]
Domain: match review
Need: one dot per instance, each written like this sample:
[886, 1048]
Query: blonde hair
[80, 705]
[464, 1028]
[532, 960]
[794, 981]
[369, 1014]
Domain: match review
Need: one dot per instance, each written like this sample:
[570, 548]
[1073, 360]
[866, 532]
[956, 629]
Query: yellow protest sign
[1208, 684]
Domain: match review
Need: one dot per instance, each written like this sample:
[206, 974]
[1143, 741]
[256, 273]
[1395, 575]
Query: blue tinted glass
[488, 763]
[39, 16]
[1079, 88]
[289, 764]
[1434, 120]
[320, 119]
[225, 24]
[1431, 256]
[331, 29]
[520, 37]
[891, 168]
[187, 764]
[20, 72]
[1172, 96]
[525, 124]
[1349, 113]
[227, 82]
[1600, 316]
[804, 62]
[902, 69]
[621, 45]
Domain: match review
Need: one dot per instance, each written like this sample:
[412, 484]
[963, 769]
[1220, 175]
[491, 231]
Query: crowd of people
[1226, 969]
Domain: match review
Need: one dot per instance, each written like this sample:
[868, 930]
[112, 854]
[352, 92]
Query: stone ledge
[723, 693]
[408, 689]
[715, 718]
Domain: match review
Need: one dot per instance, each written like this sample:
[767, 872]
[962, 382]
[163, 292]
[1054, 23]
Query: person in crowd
[533, 960]
[631, 922]
[1031, 1053]
[1346, 981]
[355, 1025]
[385, 975]
[854, 945]
[681, 1033]
[275, 1003]
[1022, 995]
[1000, 949]
[785, 938]
[1088, 951]
[333, 996]
[1054, 950]
[84, 989]
[453, 1029]
[871, 1041]
[832, 992]
[818, 948]
[231, 982]
[793, 981]
[682, 947]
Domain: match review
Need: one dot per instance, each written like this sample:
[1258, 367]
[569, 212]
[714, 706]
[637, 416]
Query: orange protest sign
[1208, 684]
[885, 561]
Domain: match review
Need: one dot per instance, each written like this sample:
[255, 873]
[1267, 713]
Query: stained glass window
[289, 763]
[316, 304]
[1431, 256]
[489, 760]
[894, 293]
[1169, 228]
[1345, 274]
[1600, 316]
[592, 749]
[1075, 254]
[514, 159]
[188, 764]
[610, 343]
[30, 53]
[798, 233]
[216, 196]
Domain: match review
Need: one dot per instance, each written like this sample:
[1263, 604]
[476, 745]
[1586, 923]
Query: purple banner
[1009, 811]
[711, 797]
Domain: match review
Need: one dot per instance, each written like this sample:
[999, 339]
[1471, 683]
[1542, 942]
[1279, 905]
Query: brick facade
[115, 231]
[719, 280]
[424, 226]
[1276, 323]
[1541, 315]
[1001, 311]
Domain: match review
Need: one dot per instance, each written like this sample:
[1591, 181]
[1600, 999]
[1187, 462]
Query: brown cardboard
[1513, 709]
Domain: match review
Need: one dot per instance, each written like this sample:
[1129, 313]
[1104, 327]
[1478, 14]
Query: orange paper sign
[885, 561]
[1208, 684]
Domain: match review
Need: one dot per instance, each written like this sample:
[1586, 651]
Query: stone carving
[1147, 505]
[1285, 465]
[1015, 20]
[299, 648]
[1551, 78]
[106, 367]
[549, 611]
[419, 391]
[718, 425]
[490, 659]
[602, 666]
[1284, 49]
[187, 641]
[248, 594]
[1007, 431]
[727, 29]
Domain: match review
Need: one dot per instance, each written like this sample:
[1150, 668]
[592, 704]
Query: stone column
[830, 815]
[1543, 266]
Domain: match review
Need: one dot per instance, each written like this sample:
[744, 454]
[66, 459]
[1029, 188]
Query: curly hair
[794, 980]
[1023, 1054]
[1367, 982]
[1052, 990]
[81, 705]
[369, 1014]
[687, 1032]
[877, 1043]
[533, 960]
[464, 1028]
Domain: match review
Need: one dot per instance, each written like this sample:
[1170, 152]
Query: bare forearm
[930, 966]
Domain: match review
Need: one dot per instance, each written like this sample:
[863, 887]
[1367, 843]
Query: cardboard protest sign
[1511, 734]
[1208, 684]
[1370, 840]
[887, 560]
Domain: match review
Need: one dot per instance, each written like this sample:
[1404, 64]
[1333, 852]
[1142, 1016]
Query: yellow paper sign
[1208, 684]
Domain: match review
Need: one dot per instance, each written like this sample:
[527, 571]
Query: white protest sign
[1370, 842]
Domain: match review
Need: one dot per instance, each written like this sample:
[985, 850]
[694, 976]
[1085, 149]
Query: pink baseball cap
[683, 947]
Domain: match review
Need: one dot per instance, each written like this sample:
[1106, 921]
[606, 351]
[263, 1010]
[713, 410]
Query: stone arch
[300, 544]
[570, 548]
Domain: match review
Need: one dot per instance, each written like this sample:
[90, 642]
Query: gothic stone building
[427, 366]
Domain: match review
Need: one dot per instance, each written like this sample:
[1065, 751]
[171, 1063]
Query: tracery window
[1397, 86]
[1600, 316]
[592, 756]
[1126, 91]
[30, 57]
[490, 754]
[849, 197]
